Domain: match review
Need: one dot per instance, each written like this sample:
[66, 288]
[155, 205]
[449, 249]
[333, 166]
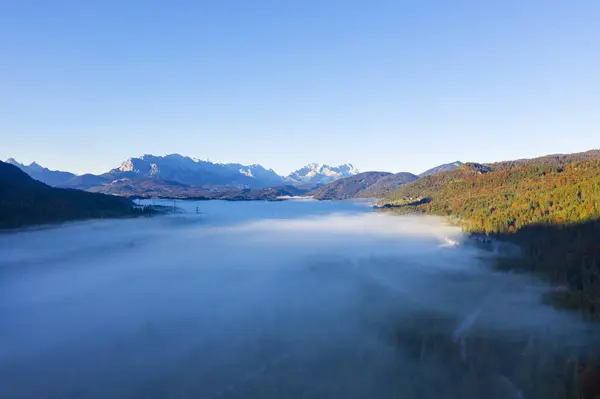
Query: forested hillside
[348, 187]
[382, 187]
[506, 200]
[556, 160]
[363, 185]
[550, 207]
[25, 201]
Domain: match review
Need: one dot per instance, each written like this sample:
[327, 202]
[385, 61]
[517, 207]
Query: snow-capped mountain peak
[194, 171]
[321, 173]
[154, 170]
[351, 168]
[246, 172]
[127, 166]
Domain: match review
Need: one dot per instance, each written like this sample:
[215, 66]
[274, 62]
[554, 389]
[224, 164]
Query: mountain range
[319, 173]
[176, 175]
[191, 171]
[45, 175]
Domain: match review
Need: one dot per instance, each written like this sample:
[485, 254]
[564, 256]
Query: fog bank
[270, 299]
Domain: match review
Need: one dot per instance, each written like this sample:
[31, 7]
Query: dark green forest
[25, 201]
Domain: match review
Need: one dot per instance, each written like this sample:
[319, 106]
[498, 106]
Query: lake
[291, 299]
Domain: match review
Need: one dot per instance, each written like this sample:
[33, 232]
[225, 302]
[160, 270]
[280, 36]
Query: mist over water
[271, 299]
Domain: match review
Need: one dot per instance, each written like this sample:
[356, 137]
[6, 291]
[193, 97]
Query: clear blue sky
[388, 85]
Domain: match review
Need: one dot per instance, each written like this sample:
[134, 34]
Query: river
[291, 299]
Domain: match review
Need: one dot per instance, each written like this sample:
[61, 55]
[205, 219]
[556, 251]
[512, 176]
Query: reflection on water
[286, 299]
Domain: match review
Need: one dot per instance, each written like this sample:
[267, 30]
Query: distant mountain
[179, 176]
[196, 172]
[348, 187]
[441, 168]
[175, 167]
[83, 182]
[363, 185]
[150, 187]
[11, 174]
[25, 201]
[320, 173]
[45, 175]
[268, 193]
[382, 187]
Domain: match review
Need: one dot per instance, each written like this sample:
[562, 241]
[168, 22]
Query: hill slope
[387, 184]
[348, 187]
[548, 206]
[441, 168]
[555, 159]
[25, 201]
[507, 199]
[83, 182]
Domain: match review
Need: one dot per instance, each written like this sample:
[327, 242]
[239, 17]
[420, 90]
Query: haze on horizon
[391, 86]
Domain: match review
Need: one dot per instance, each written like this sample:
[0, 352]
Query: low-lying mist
[286, 299]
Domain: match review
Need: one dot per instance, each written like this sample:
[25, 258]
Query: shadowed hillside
[363, 185]
[51, 177]
[25, 201]
[568, 256]
[348, 187]
[387, 184]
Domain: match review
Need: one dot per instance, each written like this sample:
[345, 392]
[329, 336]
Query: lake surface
[294, 299]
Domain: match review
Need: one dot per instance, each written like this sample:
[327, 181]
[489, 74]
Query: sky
[387, 85]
